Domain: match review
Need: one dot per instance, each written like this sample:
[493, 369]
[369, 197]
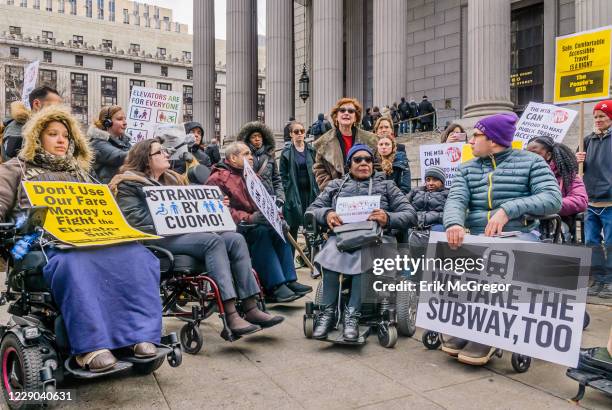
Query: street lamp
[304, 84]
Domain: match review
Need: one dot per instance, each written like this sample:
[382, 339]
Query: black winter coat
[212, 150]
[425, 107]
[429, 206]
[292, 209]
[110, 152]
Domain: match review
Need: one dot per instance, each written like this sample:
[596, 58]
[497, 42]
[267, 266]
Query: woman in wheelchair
[94, 287]
[225, 255]
[395, 213]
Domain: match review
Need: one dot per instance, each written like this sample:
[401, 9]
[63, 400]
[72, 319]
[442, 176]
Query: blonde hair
[340, 103]
[386, 162]
[381, 119]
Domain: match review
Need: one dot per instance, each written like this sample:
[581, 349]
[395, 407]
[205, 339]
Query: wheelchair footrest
[77, 371]
[162, 351]
[596, 381]
[335, 336]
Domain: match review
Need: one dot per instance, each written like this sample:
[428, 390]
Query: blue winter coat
[401, 172]
[517, 181]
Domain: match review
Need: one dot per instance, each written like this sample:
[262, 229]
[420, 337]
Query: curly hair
[381, 119]
[562, 156]
[340, 103]
[386, 162]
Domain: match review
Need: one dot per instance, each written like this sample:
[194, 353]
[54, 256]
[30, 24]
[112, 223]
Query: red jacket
[231, 182]
[575, 199]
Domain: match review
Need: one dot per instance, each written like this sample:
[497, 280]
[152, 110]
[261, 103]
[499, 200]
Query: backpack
[316, 128]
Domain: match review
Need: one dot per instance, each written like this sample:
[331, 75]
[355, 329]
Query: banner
[353, 209]
[264, 201]
[582, 66]
[30, 75]
[82, 214]
[150, 108]
[543, 119]
[524, 297]
[188, 209]
[445, 156]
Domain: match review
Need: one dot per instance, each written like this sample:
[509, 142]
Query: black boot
[351, 324]
[324, 323]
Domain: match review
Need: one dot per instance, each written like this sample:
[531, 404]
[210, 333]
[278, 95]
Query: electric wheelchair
[390, 314]
[34, 346]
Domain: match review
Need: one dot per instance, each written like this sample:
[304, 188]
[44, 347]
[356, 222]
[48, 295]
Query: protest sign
[356, 208]
[150, 108]
[30, 75]
[543, 119]
[538, 314]
[82, 214]
[582, 66]
[264, 201]
[445, 156]
[187, 209]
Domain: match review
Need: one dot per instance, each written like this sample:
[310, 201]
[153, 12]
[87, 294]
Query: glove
[279, 203]
[285, 226]
[190, 140]
[258, 218]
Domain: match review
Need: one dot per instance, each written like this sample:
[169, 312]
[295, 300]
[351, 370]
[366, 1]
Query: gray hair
[234, 149]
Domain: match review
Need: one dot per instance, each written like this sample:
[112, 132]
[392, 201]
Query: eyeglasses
[478, 134]
[359, 160]
[349, 110]
[299, 132]
[162, 151]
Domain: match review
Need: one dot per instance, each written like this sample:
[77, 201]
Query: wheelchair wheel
[175, 358]
[191, 338]
[308, 326]
[148, 368]
[387, 336]
[587, 320]
[520, 363]
[431, 340]
[20, 369]
[406, 305]
[319, 294]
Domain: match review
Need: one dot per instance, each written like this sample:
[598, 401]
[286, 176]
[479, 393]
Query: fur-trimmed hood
[19, 112]
[37, 123]
[167, 178]
[95, 133]
[256, 126]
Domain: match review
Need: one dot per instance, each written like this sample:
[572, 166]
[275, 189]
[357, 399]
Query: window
[108, 63]
[261, 105]
[77, 39]
[137, 68]
[187, 55]
[111, 10]
[177, 27]
[147, 22]
[260, 83]
[14, 52]
[137, 83]
[48, 35]
[73, 7]
[135, 47]
[24, 3]
[13, 80]
[189, 74]
[100, 9]
[126, 16]
[161, 51]
[107, 43]
[48, 78]
[15, 30]
[164, 86]
[37, 4]
[78, 102]
[47, 57]
[89, 8]
[49, 5]
[60, 6]
[164, 71]
[218, 113]
[187, 103]
[109, 90]
[78, 60]
[10, 2]
[167, 23]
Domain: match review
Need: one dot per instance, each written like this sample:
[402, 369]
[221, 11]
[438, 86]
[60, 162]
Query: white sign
[30, 75]
[356, 208]
[539, 314]
[445, 156]
[543, 119]
[150, 108]
[264, 201]
[186, 209]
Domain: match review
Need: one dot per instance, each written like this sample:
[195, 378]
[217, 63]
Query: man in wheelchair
[394, 213]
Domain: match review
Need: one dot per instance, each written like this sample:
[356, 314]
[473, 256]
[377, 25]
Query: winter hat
[436, 172]
[499, 128]
[358, 147]
[605, 106]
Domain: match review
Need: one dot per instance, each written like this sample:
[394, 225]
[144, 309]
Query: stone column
[591, 14]
[204, 66]
[327, 85]
[241, 50]
[551, 17]
[355, 49]
[390, 50]
[488, 57]
[279, 63]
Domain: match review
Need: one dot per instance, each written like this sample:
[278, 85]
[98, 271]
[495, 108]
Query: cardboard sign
[356, 208]
[539, 314]
[446, 156]
[150, 108]
[82, 214]
[264, 201]
[187, 209]
[30, 75]
[582, 66]
[543, 119]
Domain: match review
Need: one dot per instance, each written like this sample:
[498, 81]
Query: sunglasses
[299, 132]
[349, 110]
[359, 160]
[161, 151]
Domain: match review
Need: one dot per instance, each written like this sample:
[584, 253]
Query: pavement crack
[161, 391]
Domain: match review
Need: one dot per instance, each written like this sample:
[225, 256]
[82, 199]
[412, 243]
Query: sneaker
[606, 291]
[282, 294]
[298, 288]
[476, 354]
[594, 289]
[453, 345]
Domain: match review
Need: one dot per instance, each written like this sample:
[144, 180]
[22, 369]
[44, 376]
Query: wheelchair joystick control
[23, 246]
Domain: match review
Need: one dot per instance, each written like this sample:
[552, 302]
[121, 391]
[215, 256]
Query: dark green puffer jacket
[517, 181]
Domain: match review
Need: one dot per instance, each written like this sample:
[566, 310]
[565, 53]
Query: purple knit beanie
[499, 128]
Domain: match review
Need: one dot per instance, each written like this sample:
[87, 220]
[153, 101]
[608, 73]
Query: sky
[183, 13]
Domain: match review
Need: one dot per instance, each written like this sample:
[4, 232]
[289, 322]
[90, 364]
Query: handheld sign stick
[314, 272]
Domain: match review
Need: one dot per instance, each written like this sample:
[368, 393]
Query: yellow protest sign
[582, 66]
[82, 214]
[467, 154]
